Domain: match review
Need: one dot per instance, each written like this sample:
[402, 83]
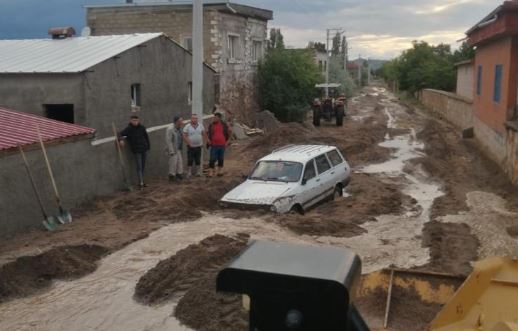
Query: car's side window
[335, 157]
[310, 171]
[322, 163]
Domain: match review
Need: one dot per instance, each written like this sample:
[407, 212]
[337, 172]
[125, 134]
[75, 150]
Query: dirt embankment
[462, 168]
[26, 275]
[368, 197]
[191, 275]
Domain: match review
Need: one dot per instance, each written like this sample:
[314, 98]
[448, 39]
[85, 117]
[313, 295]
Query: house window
[257, 50]
[189, 92]
[187, 43]
[497, 92]
[135, 95]
[61, 112]
[233, 46]
[320, 65]
[479, 79]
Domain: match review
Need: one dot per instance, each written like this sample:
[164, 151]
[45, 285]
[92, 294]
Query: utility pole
[360, 69]
[197, 58]
[346, 52]
[340, 31]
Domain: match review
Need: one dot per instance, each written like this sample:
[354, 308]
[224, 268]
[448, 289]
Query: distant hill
[375, 64]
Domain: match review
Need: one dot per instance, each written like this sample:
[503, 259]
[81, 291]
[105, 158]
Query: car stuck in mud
[292, 179]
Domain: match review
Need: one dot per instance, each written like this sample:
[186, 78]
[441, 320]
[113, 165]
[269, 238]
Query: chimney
[62, 33]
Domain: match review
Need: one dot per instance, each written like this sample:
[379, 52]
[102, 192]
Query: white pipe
[230, 8]
[486, 23]
[197, 58]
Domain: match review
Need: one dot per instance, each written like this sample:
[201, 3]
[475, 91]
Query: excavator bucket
[400, 299]
[488, 299]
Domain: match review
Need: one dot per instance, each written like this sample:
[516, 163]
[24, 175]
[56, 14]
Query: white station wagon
[292, 178]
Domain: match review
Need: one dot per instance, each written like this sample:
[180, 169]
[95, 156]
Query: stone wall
[493, 142]
[454, 108]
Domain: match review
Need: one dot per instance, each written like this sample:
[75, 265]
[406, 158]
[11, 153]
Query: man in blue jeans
[136, 136]
[219, 134]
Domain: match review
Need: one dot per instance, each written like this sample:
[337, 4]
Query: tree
[423, 66]
[465, 52]
[337, 74]
[286, 82]
[317, 45]
[337, 44]
[276, 39]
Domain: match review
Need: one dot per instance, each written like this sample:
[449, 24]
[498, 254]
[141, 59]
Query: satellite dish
[86, 32]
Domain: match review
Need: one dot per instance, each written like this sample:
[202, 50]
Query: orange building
[495, 76]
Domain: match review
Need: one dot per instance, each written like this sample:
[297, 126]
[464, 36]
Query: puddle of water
[396, 239]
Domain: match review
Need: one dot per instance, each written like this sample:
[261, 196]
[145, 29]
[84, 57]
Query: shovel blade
[50, 224]
[64, 217]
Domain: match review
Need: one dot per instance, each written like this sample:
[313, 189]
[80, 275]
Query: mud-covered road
[420, 198]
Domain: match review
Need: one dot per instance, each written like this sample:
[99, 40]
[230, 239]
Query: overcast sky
[375, 28]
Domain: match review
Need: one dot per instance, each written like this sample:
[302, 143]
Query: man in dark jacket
[138, 140]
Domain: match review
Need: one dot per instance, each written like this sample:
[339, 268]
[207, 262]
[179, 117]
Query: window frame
[331, 160]
[186, 41]
[136, 95]
[497, 84]
[257, 50]
[308, 164]
[479, 80]
[328, 163]
[189, 93]
[233, 52]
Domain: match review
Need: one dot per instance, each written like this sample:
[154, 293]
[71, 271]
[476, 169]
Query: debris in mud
[173, 203]
[28, 274]
[407, 310]
[201, 308]
[452, 247]
[179, 273]
[368, 197]
[513, 231]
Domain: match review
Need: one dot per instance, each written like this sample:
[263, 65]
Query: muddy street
[420, 198]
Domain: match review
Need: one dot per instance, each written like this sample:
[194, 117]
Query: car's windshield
[280, 171]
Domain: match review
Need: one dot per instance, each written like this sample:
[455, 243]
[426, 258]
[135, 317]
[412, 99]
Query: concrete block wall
[456, 109]
[493, 142]
[465, 80]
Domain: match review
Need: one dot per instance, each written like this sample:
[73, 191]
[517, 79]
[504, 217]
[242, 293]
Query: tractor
[330, 107]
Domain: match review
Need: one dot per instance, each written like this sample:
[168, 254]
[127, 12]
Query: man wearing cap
[174, 146]
[219, 134]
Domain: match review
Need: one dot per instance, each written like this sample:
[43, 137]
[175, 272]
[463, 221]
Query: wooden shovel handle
[48, 164]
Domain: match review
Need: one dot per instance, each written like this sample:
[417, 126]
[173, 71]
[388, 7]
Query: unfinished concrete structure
[465, 79]
[234, 40]
[97, 81]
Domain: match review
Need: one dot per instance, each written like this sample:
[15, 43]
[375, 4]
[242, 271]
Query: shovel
[121, 159]
[49, 222]
[64, 215]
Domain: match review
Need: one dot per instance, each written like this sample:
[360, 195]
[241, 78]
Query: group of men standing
[193, 136]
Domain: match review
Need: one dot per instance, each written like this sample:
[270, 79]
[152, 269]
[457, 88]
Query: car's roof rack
[282, 148]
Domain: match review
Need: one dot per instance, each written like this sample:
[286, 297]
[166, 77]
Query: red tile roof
[20, 129]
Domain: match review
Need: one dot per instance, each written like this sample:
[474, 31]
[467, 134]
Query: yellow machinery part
[486, 301]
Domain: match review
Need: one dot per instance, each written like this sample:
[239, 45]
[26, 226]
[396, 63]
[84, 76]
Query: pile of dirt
[177, 274]
[462, 167]
[28, 274]
[407, 310]
[173, 203]
[452, 247]
[368, 197]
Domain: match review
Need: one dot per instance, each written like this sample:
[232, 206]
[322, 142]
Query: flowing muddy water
[104, 300]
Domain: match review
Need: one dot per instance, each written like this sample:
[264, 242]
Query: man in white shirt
[195, 138]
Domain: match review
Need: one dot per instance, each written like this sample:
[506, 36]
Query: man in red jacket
[219, 134]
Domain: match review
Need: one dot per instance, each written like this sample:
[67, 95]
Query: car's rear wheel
[338, 192]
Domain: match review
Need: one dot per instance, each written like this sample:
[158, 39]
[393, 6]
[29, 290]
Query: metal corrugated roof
[70, 55]
[20, 129]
